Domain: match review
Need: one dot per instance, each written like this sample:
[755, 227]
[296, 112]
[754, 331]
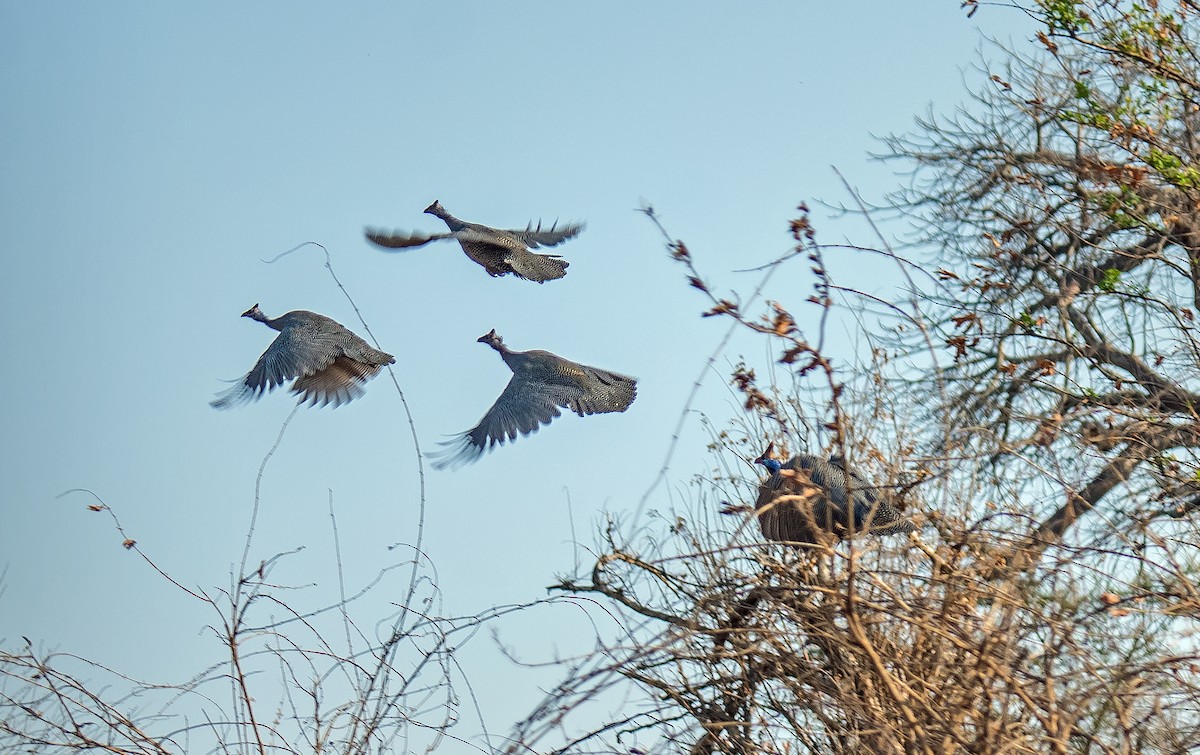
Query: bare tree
[1033, 401]
[1064, 207]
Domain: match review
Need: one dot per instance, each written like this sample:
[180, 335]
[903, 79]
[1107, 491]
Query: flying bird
[541, 383]
[807, 499]
[500, 252]
[329, 362]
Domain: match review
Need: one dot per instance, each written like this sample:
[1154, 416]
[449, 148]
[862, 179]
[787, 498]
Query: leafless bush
[334, 677]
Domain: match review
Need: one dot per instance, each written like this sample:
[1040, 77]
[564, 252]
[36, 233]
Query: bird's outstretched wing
[402, 239]
[597, 392]
[533, 237]
[520, 410]
[294, 353]
[338, 383]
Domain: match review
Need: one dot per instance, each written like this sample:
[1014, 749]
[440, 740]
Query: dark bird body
[808, 499]
[541, 383]
[329, 363]
[500, 252]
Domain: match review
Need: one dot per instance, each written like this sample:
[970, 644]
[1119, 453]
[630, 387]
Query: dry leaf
[724, 307]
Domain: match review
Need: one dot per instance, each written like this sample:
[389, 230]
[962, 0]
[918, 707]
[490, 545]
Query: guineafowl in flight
[330, 362]
[807, 499]
[500, 252]
[541, 383]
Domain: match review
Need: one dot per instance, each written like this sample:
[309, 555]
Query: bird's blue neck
[772, 465]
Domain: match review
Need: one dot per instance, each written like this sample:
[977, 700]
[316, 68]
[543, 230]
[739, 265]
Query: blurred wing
[294, 353]
[400, 239]
[552, 236]
[337, 384]
[520, 410]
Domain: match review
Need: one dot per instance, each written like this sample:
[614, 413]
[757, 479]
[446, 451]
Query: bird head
[767, 460]
[491, 339]
[254, 313]
[435, 208]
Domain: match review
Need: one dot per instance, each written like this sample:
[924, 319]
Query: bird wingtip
[455, 453]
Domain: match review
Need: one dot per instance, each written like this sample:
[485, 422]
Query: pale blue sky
[153, 154]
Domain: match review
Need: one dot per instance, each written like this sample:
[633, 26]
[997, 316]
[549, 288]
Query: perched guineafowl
[541, 383]
[330, 362]
[805, 501]
[500, 252]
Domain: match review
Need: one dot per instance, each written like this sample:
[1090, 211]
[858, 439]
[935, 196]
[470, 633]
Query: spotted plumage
[541, 383]
[808, 499]
[328, 362]
[500, 252]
